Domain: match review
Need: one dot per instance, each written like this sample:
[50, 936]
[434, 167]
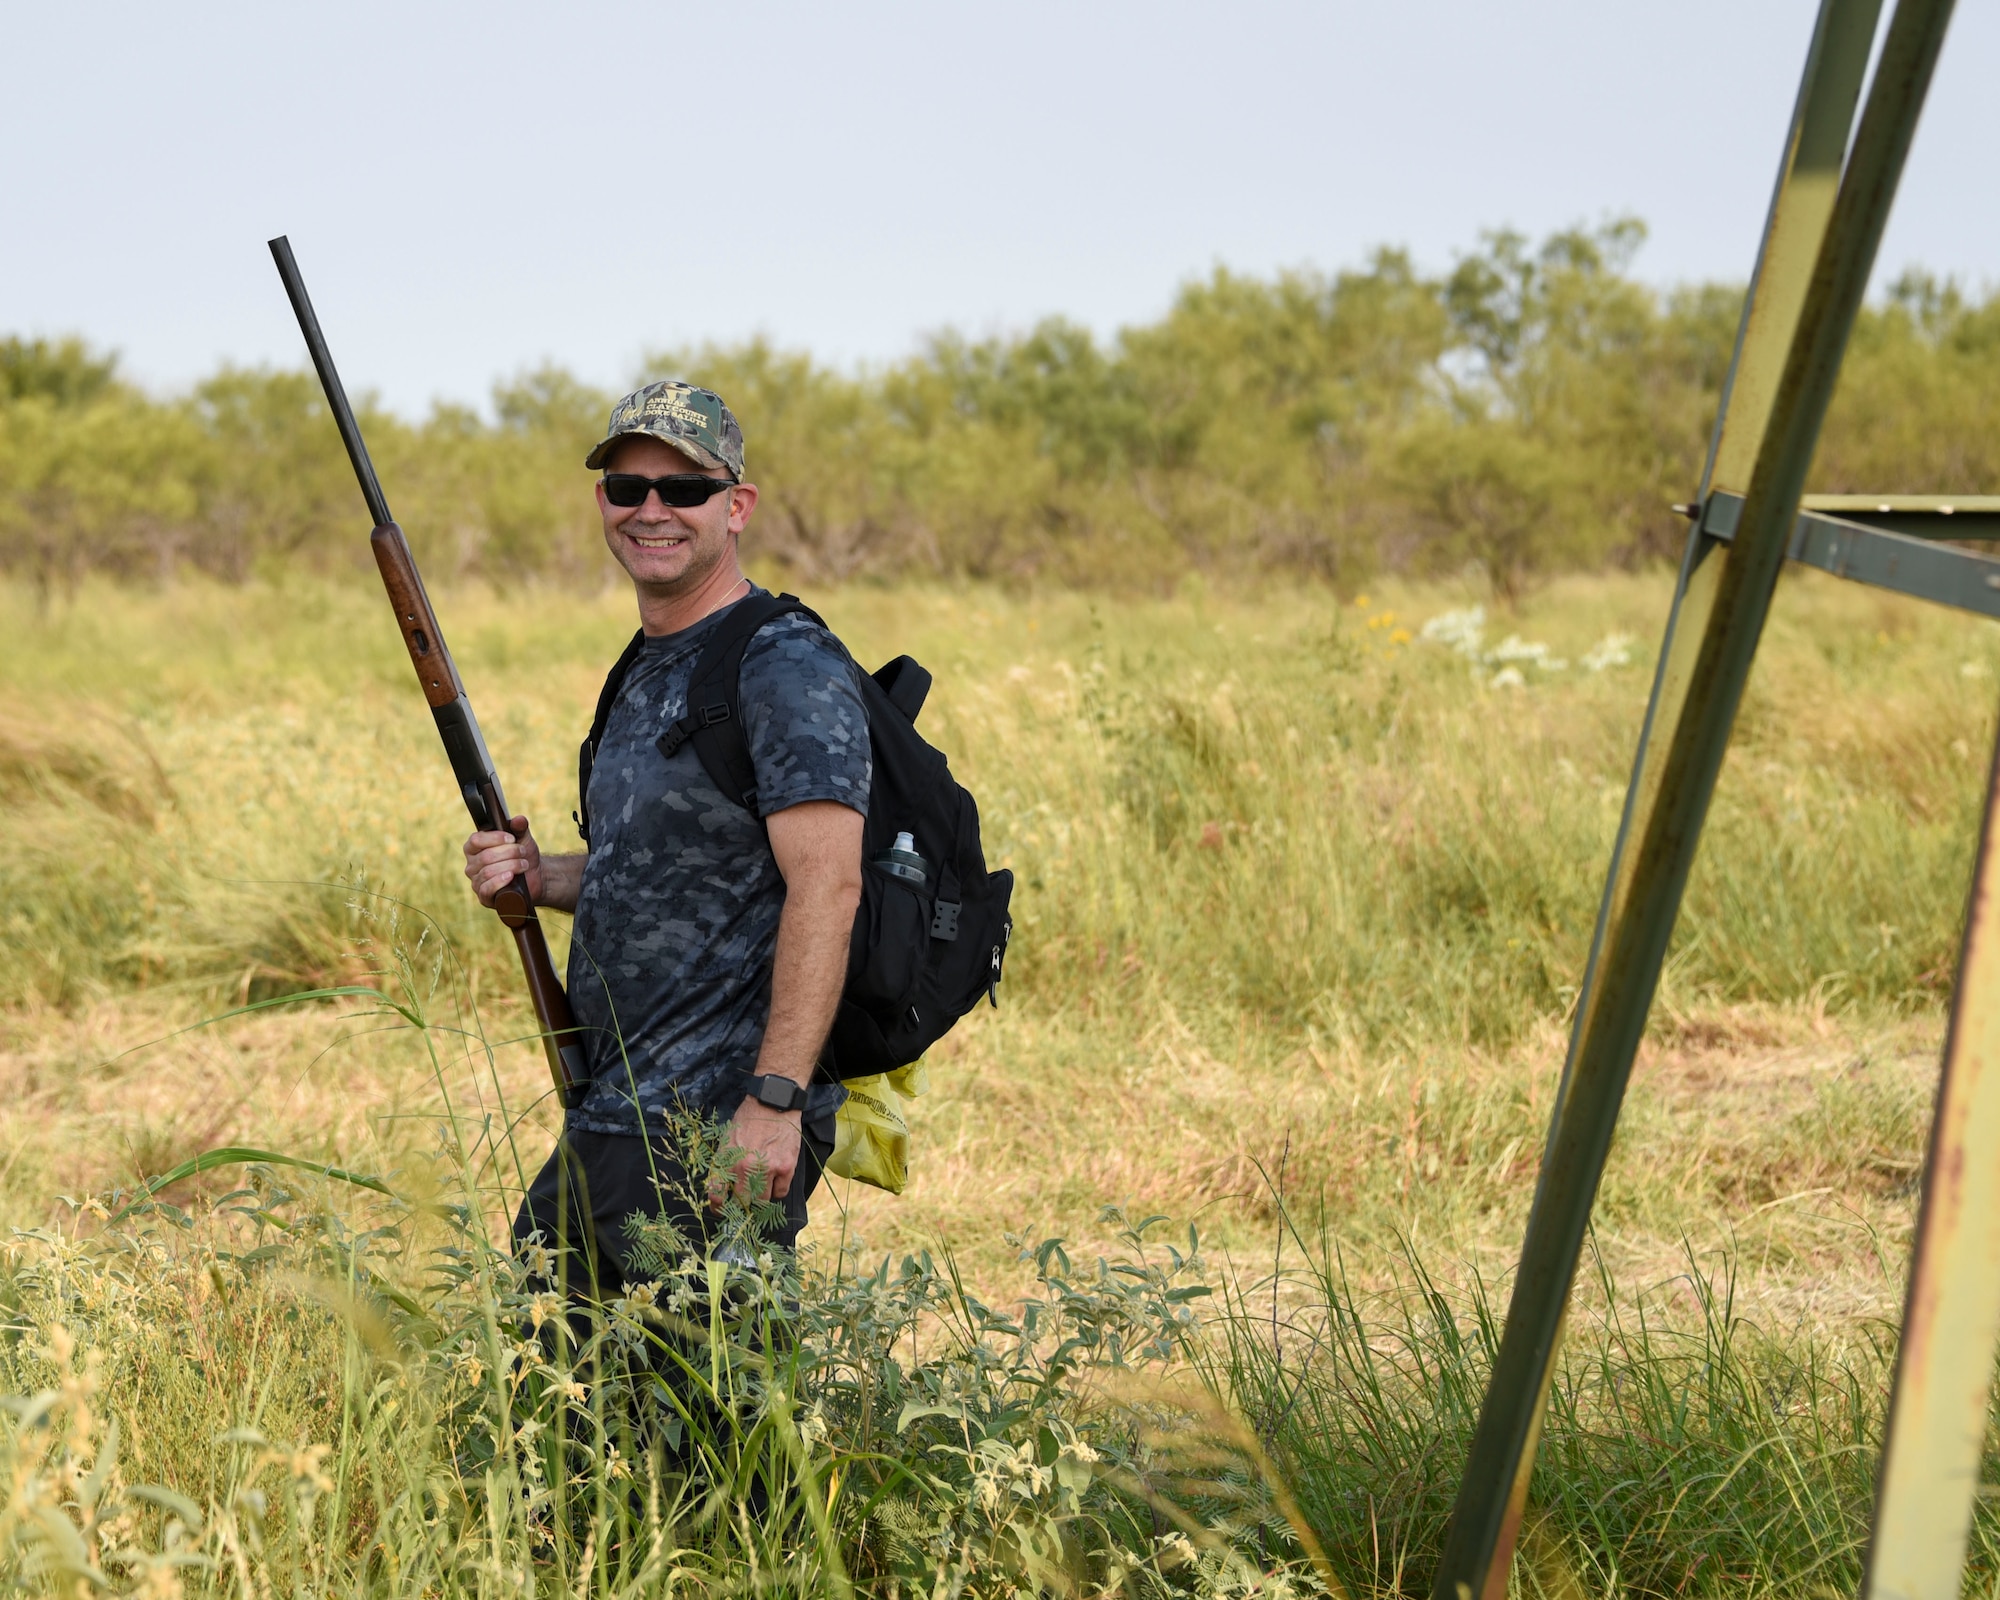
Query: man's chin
[666, 572]
[657, 564]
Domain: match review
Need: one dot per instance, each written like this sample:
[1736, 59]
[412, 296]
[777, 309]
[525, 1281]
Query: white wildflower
[1176, 1549]
[1462, 631]
[1613, 650]
[1514, 648]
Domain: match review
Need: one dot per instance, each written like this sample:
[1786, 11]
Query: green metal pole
[1801, 204]
[1932, 1443]
[1665, 814]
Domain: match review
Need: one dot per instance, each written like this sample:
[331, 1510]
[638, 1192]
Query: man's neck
[661, 614]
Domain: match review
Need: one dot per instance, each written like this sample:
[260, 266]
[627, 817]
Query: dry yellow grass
[1789, 1139]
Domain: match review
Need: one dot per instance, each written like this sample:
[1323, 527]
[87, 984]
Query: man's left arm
[817, 845]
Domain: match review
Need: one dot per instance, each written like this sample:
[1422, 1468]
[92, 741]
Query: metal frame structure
[1835, 183]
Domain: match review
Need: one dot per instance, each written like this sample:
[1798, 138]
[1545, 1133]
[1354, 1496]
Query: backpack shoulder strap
[608, 695]
[714, 716]
[586, 757]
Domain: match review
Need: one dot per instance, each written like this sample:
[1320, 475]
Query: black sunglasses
[680, 489]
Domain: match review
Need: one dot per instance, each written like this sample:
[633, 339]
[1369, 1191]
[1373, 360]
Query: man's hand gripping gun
[456, 725]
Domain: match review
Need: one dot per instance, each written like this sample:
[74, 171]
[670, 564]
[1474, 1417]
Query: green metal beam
[1922, 516]
[1819, 246]
[1920, 567]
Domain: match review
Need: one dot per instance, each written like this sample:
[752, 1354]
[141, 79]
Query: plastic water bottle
[901, 860]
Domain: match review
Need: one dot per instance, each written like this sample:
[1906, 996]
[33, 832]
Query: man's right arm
[493, 860]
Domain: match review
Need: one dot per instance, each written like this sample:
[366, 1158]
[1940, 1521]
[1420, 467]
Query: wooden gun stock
[464, 745]
[479, 787]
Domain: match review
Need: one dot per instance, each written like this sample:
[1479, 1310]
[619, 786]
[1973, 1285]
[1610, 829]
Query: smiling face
[673, 553]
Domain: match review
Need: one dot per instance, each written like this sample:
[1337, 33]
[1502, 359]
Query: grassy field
[1305, 886]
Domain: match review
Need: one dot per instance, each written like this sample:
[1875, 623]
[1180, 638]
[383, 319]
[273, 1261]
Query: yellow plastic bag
[871, 1136]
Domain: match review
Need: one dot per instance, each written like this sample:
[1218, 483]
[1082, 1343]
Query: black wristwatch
[780, 1094]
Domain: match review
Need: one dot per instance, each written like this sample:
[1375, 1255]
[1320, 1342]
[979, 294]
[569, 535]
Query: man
[710, 947]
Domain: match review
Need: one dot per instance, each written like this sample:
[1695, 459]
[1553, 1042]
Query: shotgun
[478, 784]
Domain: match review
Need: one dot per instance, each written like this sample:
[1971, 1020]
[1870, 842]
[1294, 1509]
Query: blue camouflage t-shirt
[677, 919]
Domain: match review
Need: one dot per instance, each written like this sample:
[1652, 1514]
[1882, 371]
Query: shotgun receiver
[457, 726]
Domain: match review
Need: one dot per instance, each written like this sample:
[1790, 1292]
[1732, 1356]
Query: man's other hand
[759, 1157]
[493, 860]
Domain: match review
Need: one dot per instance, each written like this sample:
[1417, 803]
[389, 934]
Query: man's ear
[742, 501]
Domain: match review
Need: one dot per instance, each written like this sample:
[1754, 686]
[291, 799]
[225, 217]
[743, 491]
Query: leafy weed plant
[321, 1381]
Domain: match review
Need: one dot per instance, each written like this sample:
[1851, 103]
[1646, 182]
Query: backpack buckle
[711, 715]
[944, 922]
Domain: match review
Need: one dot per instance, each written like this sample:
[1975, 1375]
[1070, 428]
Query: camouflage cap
[693, 420]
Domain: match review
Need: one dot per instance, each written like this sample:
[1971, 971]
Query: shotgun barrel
[437, 675]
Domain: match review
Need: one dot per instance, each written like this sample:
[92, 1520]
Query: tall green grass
[1688, 1449]
[1290, 809]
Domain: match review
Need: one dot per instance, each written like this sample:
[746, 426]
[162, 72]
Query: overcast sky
[474, 189]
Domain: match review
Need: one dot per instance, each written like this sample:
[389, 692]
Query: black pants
[593, 1183]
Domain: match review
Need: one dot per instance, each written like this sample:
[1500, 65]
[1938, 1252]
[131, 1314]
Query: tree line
[1532, 410]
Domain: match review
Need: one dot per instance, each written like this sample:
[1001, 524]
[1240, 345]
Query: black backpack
[922, 954]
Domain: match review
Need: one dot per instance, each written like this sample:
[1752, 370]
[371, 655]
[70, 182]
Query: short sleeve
[803, 717]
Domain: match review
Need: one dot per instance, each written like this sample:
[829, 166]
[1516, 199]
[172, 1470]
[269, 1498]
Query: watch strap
[780, 1094]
